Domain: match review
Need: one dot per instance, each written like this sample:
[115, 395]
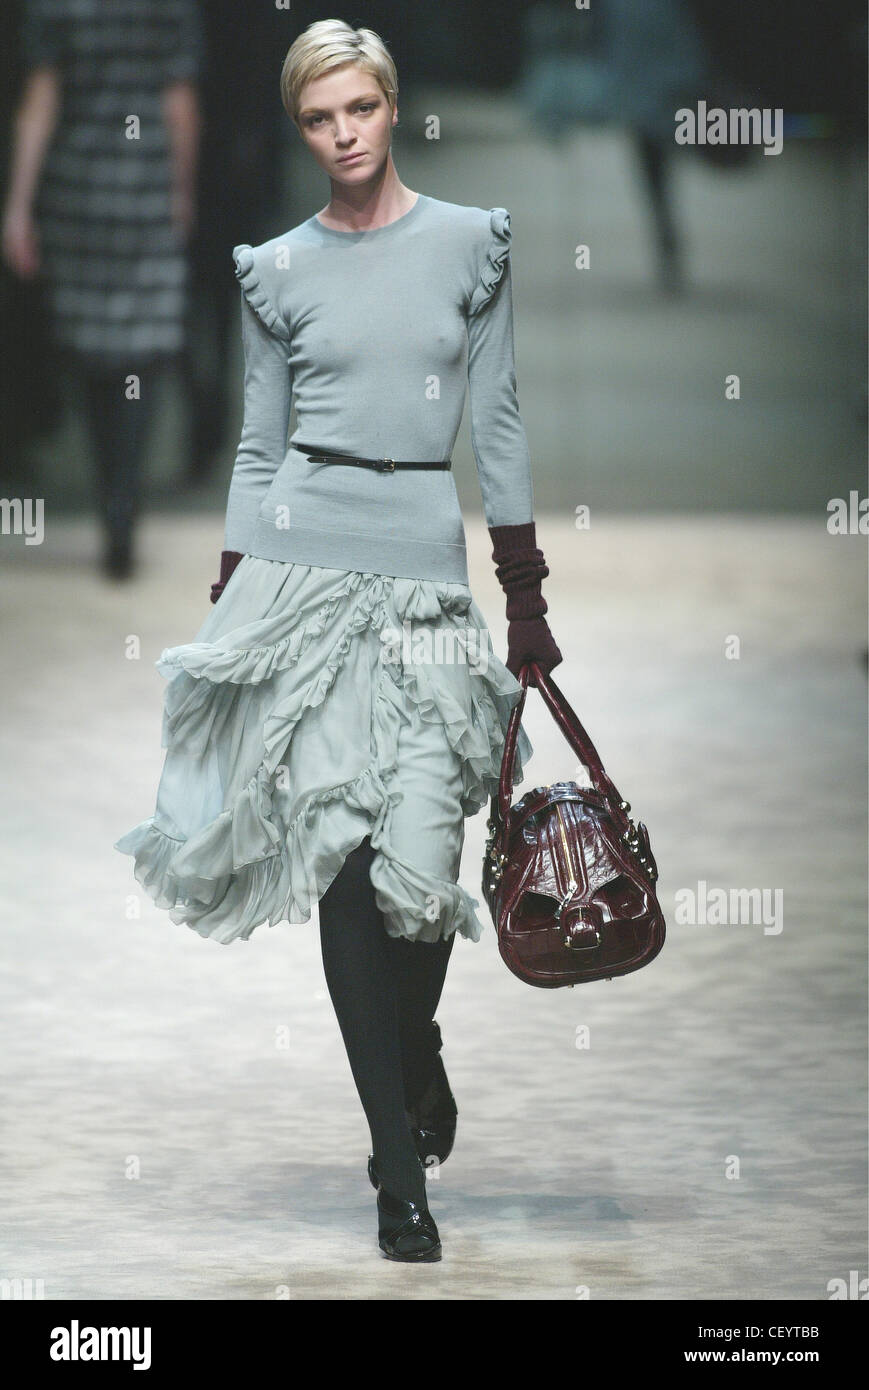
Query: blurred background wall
[703, 263]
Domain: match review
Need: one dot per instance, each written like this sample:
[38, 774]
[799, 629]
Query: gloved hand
[521, 569]
[228, 561]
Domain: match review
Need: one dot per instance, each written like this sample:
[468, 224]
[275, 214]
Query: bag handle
[568, 721]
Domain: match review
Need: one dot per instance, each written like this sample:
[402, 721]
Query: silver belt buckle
[385, 465]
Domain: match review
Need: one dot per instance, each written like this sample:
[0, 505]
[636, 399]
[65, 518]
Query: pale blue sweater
[375, 337]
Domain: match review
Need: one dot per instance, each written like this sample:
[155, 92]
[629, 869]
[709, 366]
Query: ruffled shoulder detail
[497, 253]
[248, 276]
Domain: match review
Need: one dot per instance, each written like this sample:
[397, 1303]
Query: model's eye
[366, 106]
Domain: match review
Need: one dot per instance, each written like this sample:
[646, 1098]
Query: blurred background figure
[100, 205]
[31, 403]
[623, 63]
[239, 198]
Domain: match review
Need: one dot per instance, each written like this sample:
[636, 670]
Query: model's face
[345, 112]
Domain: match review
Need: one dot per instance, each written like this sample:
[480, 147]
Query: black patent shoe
[406, 1230]
[433, 1117]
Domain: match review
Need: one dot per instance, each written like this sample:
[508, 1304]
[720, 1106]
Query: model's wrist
[520, 568]
[508, 540]
[229, 560]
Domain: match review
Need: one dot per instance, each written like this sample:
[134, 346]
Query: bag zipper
[571, 887]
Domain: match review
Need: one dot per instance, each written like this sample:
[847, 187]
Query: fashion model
[341, 711]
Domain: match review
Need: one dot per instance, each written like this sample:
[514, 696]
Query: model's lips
[348, 158]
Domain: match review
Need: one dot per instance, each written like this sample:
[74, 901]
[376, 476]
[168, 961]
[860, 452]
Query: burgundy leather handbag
[567, 875]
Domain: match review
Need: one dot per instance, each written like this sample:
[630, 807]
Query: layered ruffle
[497, 253]
[254, 293]
[282, 723]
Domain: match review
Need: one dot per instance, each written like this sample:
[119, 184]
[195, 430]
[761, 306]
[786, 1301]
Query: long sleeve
[268, 392]
[497, 433]
[503, 460]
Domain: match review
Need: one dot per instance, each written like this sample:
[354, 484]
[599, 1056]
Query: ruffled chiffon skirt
[314, 707]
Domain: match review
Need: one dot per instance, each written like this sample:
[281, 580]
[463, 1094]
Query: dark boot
[433, 1113]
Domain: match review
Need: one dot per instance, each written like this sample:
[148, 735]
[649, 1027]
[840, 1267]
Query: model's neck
[362, 207]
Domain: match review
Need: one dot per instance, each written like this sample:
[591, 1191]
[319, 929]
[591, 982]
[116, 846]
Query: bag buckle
[581, 932]
[574, 941]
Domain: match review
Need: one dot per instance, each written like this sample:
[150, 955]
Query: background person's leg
[656, 175]
[353, 941]
[119, 432]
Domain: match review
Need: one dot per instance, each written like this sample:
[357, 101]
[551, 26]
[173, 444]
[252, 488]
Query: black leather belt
[384, 465]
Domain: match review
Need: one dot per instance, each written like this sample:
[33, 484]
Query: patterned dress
[115, 267]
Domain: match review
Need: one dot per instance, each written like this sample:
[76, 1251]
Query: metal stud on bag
[496, 860]
[631, 837]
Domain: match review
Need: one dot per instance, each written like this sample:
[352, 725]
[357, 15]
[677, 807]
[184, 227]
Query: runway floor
[180, 1118]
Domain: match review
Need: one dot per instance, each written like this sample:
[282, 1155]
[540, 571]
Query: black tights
[385, 991]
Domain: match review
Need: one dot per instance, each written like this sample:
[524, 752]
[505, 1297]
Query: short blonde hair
[327, 44]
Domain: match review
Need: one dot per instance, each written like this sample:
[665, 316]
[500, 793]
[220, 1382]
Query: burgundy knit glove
[521, 570]
[228, 561]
